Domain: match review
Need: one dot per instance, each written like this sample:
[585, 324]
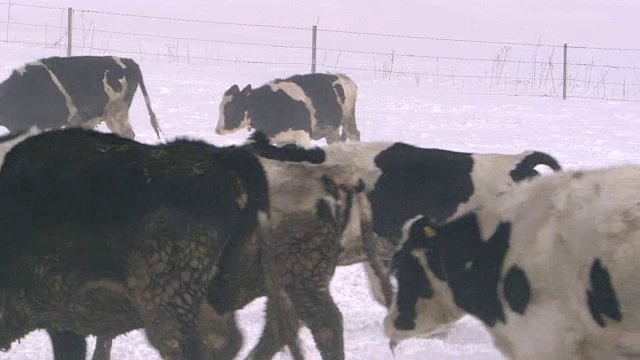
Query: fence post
[8, 20]
[564, 74]
[69, 30]
[314, 37]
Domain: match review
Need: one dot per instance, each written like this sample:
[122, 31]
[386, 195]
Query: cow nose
[218, 132]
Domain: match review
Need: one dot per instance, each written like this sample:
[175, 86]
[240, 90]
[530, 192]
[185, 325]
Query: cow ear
[234, 90]
[247, 90]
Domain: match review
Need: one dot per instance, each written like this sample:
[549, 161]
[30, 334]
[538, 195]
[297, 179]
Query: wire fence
[474, 66]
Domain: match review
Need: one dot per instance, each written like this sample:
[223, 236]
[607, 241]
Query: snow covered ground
[425, 110]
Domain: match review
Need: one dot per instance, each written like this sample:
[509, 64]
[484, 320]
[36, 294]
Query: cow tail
[375, 251]
[525, 168]
[143, 88]
[259, 144]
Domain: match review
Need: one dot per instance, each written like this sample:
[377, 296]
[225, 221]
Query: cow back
[74, 192]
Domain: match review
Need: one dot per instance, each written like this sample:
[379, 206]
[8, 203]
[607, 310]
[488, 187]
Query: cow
[403, 181]
[101, 235]
[297, 109]
[307, 250]
[316, 210]
[550, 268]
[77, 91]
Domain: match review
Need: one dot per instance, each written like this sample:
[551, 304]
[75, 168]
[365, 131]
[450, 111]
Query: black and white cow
[82, 91]
[404, 181]
[550, 268]
[297, 109]
[101, 235]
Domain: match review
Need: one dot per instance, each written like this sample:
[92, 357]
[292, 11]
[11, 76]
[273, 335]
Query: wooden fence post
[8, 20]
[314, 37]
[69, 31]
[564, 74]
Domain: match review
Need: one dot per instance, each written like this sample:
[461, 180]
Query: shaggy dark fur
[109, 235]
[302, 248]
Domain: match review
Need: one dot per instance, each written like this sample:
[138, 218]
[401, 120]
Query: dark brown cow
[101, 235]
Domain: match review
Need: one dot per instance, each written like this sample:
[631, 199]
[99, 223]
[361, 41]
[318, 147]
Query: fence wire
[331, 50]
[542, 71]
[339, 31]
[166, 18]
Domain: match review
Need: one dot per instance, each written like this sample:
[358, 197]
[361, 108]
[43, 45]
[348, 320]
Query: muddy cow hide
[102, 235]
[315, 210]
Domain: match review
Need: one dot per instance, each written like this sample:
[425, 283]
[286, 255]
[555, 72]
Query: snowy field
[422, 109]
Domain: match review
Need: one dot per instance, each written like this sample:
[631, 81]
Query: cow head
[423, 305]
[460, 254]
[234, 110]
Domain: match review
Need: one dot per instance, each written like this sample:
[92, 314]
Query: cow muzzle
[397, 334]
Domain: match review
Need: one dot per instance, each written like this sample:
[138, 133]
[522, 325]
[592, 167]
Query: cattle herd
[101, 234]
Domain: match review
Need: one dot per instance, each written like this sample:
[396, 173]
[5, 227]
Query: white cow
[551, 269]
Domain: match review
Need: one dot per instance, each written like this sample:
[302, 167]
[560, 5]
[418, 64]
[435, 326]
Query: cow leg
[374, 284]
[213, 337]
[321, 315]
[91, 123]
[168, 310]
[272, 340]
[169, 284]
[118, 123]
[377, 267]
[171, 309]
[282, 323]
[173, 337]
[270, 343]
[333, 137]
[349, 129]
[67, 345]
[103, 348]
[220, 333]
